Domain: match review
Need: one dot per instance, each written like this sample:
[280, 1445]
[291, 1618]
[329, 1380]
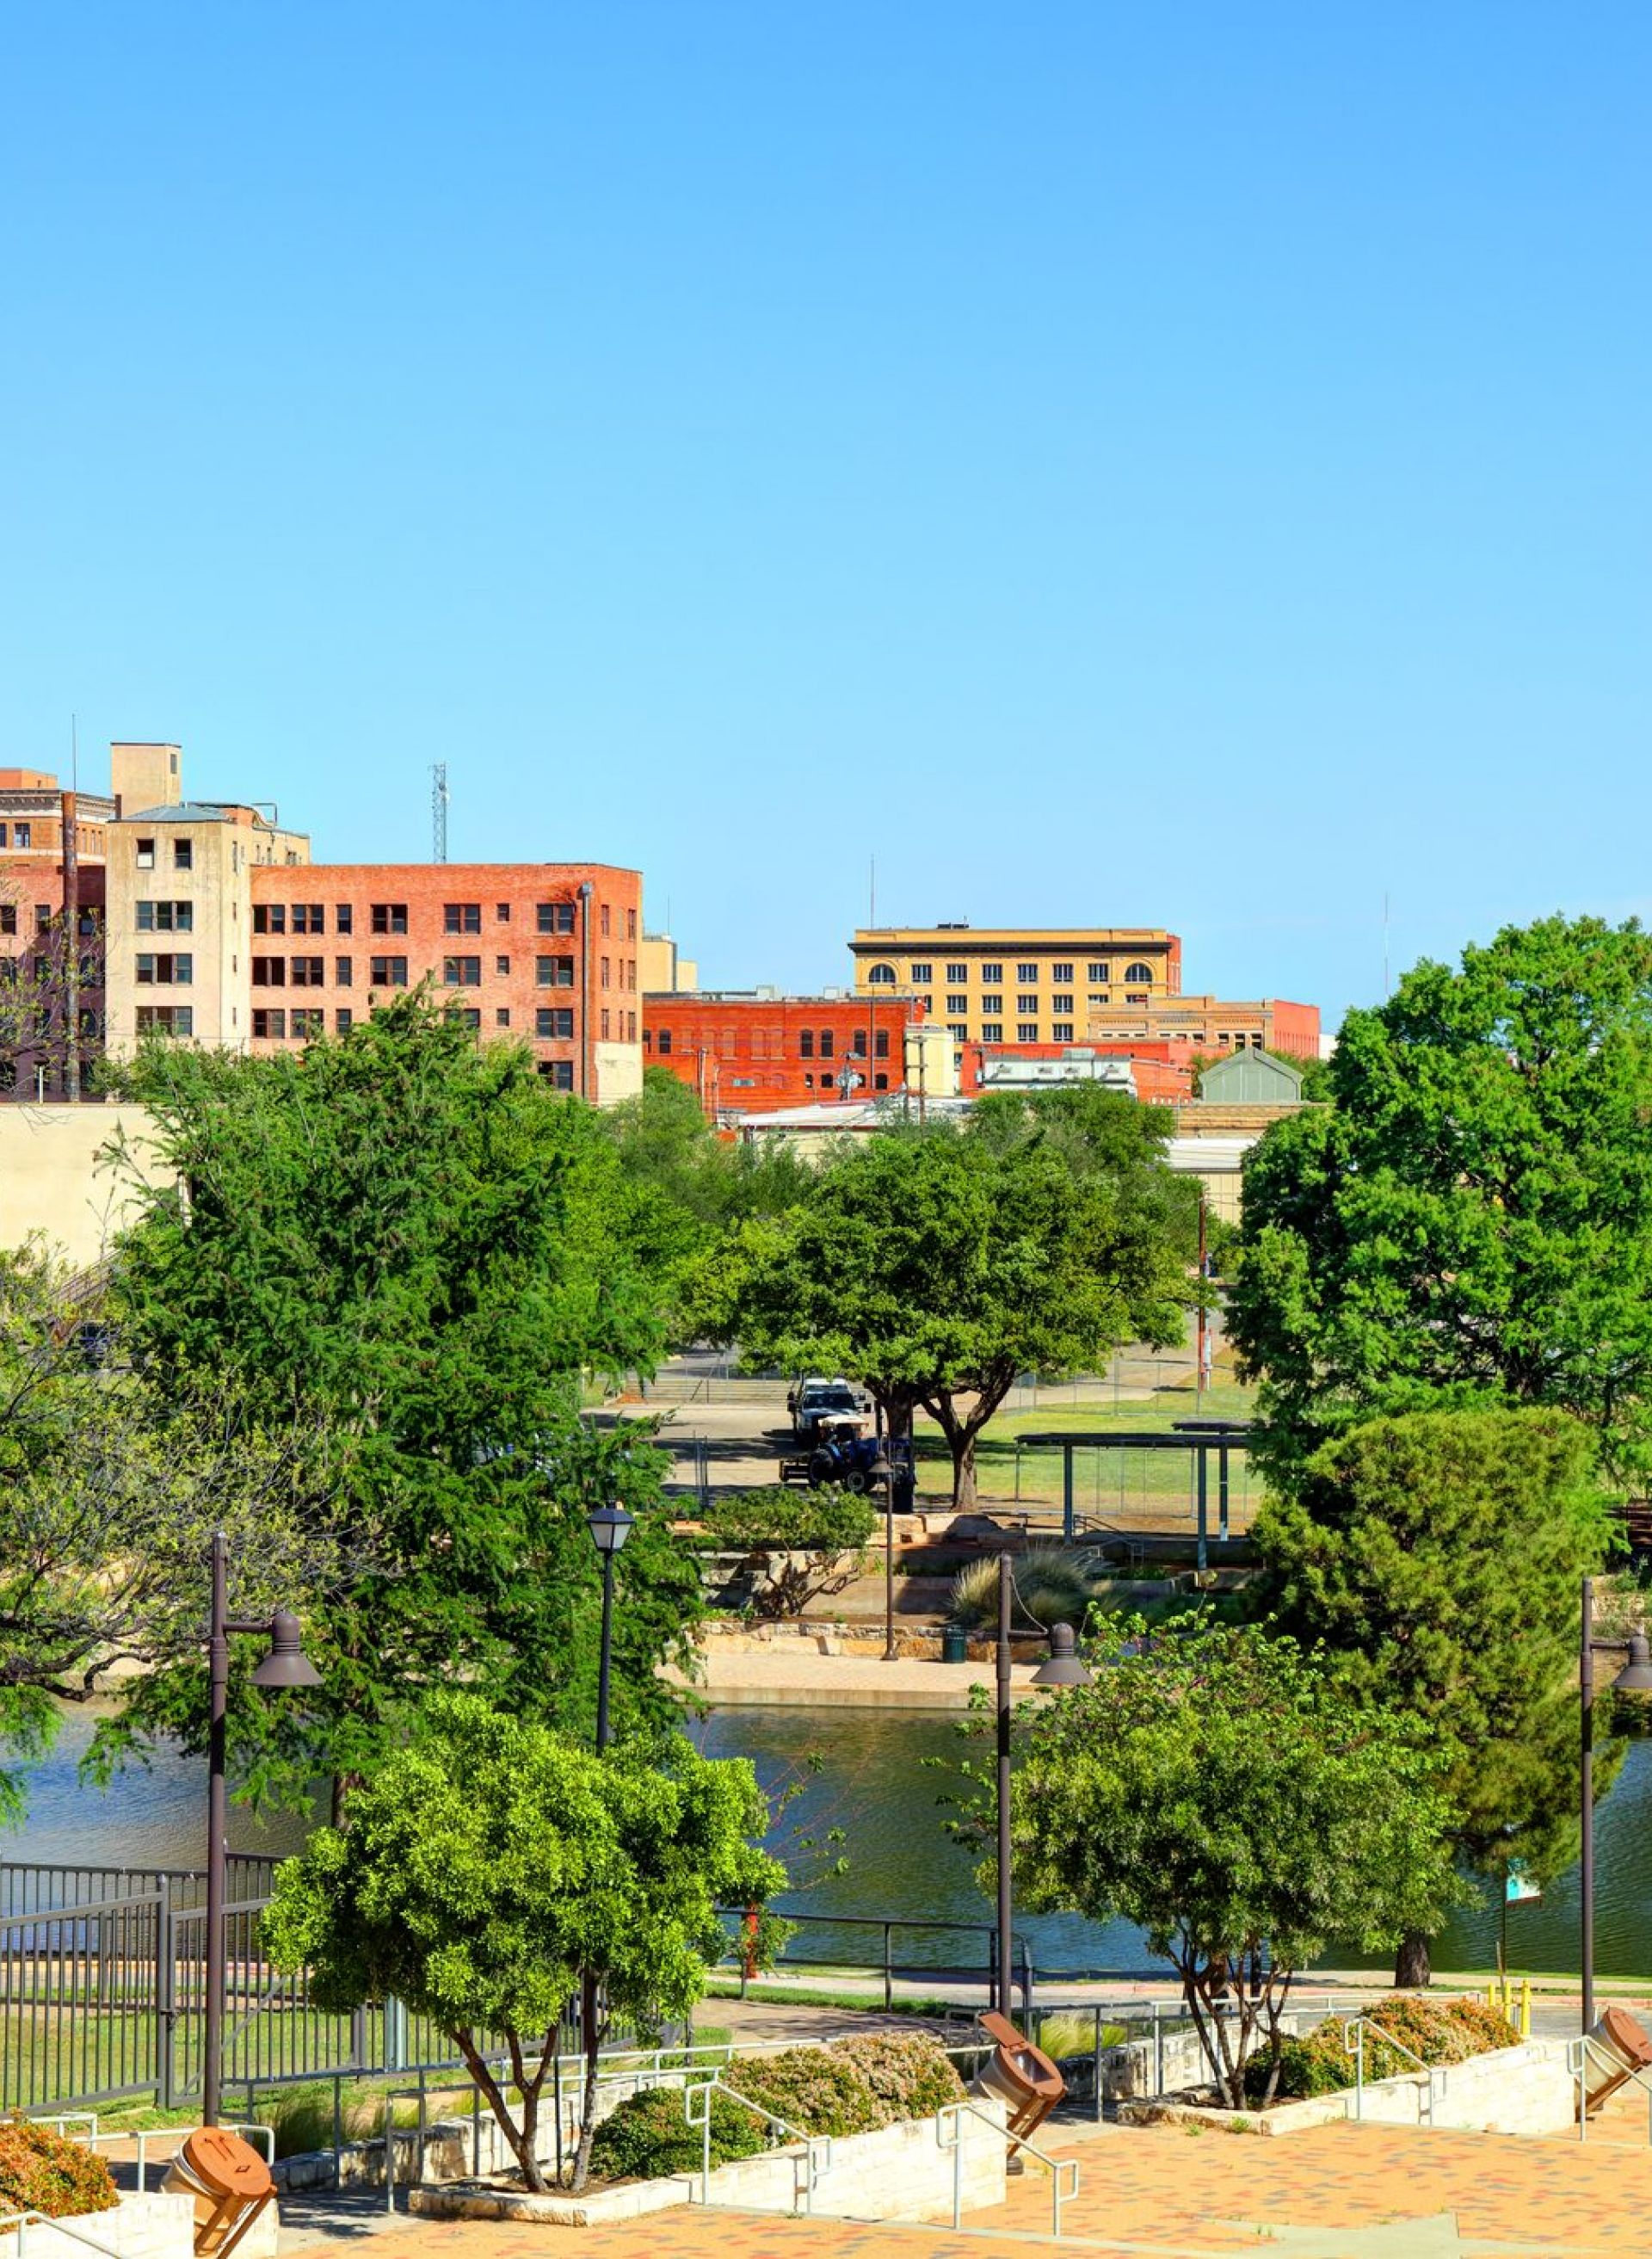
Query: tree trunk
[963, 1445]
[589, 2038]
[1411, 1971]
[522, 2139]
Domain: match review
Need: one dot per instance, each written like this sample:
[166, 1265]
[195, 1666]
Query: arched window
[882, 976]
[1134, 975]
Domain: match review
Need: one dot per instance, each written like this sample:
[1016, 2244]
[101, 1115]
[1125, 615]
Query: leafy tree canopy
[1439, 1555]
[1470, 1220]
[494, 1869]
[1220, 1787]
[935, 1265]
[415, 1236]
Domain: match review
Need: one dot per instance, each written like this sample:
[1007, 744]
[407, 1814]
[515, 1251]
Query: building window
[859, 1047]
[502, 1016]
[501, 913]
[557, 1072]
[1061, 1032]
[165, 1020]
[146, 849]
[956, 972]
[344, 917]
[309, 972]
[1133, 973]
[2, 834]
[826, 1043]
[881, 1083]
[1140, 997]
[958, 1032]
[553, 1022]
[389, 972]
[389, 918]
[1099, 996]
[1027, 1003]
[461, 972]
[664, 1043]
[882, 976]
[309, 1021]
[1027, 1032]
[1101, 975]
[343, 971]
[502, 967]
[880, 1046]
[1027, 971]
[992, 1031]
[992, 976]
[343, 1018]
[269, 973]
[805, 1043]
[554, 973]
[269, 918]
[268, 1024]
[605, 1017]
[8, 917]
[1061, 973]
[992, 1000]
[921, 972]
[1061, 1003]
[461, 917]
[166, 918]
[467, 1017]
[309, 917]
[556, 917]
[631, 1027]
[183, 854]
[630, 925]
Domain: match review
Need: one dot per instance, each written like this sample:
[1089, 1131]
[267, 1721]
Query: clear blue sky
[1184, 466]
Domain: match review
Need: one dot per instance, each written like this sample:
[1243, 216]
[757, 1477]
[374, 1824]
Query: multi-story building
[1211, 1026]
[51, 846]
[662, 968]
[218, 929]
[1017, 985]
[754, 1051]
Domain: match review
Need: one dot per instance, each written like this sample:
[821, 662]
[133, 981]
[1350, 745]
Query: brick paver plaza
[1342, 2189]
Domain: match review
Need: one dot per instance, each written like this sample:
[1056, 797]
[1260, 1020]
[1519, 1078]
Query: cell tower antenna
[439, 810]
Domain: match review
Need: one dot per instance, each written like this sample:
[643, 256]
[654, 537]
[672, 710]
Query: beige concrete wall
[617, 1073]
[56, 1179]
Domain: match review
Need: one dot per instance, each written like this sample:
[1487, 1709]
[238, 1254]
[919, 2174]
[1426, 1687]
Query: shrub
[778, 1518]
[1052, 1585]
[907, 2073]
[44, 2171]
[817, 2090]
[1438, 2031]
[648, 2137]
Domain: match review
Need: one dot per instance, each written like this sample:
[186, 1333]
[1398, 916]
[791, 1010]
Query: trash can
[229, 2182]
[1621, 2050]
[955, 1645]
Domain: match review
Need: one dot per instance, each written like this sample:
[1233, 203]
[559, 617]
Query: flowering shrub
[777, 1517]
[44, 2171]
[855, 2087]
[1438, 2031]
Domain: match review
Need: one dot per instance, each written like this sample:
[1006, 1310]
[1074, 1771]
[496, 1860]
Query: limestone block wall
[903, 2172]
[153, 2227]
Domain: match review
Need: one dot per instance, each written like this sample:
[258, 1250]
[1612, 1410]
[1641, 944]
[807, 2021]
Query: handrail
[23, 2220]
[1054, 2166]
[1577, 2053]
[1354, 2043]
[811, 2141]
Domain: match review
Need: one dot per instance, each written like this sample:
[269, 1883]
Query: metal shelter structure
[1199, 1438]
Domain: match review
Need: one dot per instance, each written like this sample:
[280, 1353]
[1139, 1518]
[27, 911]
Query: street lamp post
[285, 1665]
[1063, 1669]
[1635, 1678]
[609, 1527]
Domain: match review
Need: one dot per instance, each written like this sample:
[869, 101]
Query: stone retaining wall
[152, 2227]
[1519, 2090]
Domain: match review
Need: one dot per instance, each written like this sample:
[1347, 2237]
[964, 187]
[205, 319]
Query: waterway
[873, 1784]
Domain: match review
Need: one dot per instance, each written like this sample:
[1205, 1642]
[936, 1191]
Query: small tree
[1439, 1555]
[494, 1869]
[1223, 1790]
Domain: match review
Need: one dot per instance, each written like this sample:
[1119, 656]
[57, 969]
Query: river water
[873, 1784]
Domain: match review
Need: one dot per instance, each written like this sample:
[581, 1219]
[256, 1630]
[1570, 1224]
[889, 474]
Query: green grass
[810, 1996]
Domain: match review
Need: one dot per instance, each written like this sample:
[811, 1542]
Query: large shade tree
[1438, 1555]
[1470, 1221]
[936, 1265]
[413, 1236]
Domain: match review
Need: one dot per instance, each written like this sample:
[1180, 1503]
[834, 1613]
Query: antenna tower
[438, 811]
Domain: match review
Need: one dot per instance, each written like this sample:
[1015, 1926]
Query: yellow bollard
[1525, 2007]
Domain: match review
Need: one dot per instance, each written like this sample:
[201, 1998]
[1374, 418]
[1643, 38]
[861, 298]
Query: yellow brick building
[1018, 984]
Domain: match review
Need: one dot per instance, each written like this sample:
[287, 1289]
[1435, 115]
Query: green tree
[936, 1266]
[1470, 1221]
[113, 1478]
[413, 1237]
[493, 1870]
[1438, 1554]
[1219, 1787]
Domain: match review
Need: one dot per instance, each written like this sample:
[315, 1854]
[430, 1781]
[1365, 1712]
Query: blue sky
[1177, 466]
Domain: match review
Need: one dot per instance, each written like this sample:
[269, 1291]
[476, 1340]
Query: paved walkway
[1338, 2192]
[794, 1672]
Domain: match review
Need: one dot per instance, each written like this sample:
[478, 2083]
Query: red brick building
[541, 952]
[52, 880]
[748, 1052]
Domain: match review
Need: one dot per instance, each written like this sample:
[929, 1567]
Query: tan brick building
[1018, 984]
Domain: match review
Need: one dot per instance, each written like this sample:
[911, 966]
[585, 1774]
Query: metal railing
[1054, 2166]
[1578, 2054]
[817, 2148]
[1354, 2044]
